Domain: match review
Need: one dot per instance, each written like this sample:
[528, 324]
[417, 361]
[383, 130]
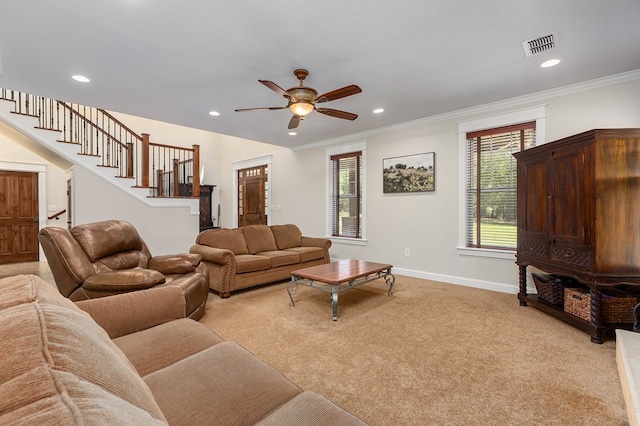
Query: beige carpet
[432, 353]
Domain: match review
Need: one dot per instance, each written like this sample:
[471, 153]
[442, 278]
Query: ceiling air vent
[542, 44]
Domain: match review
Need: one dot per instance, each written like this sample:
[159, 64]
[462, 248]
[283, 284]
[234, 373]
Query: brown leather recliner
[106, 258]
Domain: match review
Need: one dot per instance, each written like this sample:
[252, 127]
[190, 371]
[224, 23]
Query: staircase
[157, 175]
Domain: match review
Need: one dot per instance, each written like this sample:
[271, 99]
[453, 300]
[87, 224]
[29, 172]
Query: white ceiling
[175, 61]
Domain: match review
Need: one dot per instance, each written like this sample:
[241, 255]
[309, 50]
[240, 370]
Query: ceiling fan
[302, 100]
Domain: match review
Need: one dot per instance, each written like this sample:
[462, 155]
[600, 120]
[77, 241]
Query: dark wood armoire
[579, 217]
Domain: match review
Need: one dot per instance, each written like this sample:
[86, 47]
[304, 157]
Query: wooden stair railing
[169, 170]
[56, 216]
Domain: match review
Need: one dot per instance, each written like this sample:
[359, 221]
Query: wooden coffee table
[339, 276]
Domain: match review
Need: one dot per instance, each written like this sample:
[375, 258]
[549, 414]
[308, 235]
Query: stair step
[25, 115]
[47, 128]
[628, 362]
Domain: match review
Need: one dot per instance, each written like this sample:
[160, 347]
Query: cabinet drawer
[570, 256]
[535, 249]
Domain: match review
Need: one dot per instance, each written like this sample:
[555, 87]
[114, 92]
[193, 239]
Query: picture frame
[409, 173]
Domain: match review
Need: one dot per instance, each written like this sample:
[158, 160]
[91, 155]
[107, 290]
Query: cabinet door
[568, 206]
[533, 188]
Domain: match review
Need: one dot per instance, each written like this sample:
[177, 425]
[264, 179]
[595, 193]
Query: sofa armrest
[124, 280]
[128, 313]
[175, 263]
[213, 254]
[324, 243]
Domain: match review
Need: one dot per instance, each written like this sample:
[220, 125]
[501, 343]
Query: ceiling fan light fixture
[301, 108]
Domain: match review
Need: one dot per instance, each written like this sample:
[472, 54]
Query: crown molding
[490, 107]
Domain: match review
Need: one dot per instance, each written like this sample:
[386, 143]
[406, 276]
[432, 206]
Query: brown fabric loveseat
[106, 258]
[253, 255]
[121, 360]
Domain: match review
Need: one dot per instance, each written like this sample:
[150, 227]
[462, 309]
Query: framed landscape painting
[411, 173]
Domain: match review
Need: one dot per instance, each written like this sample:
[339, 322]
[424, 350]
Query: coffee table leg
[390, 280]
[334, 301]
[292, 288]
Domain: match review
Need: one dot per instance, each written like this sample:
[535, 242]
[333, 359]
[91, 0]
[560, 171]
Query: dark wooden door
[18, 217]
[252, 196]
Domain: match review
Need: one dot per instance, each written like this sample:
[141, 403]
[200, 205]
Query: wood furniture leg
[522, 281]
[596, 316]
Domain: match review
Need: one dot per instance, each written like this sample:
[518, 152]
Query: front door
[18, 217]
[253, 186]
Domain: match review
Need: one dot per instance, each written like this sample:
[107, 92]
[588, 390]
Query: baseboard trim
[451, 279]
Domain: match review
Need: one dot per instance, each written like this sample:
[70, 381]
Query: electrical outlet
[407, 252]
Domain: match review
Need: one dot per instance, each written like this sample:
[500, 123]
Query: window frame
[537, 114]
[330, 187]
[476, 144]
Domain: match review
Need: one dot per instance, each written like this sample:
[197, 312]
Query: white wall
[165, 230]
[426, 223]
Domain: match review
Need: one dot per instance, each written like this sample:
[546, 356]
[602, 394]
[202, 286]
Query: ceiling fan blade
[279, 90]
[339, 93]
[337, 113]
[252, 109]
[295, 120]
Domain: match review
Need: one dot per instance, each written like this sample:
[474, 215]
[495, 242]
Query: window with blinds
[491, 184]
[346, 211]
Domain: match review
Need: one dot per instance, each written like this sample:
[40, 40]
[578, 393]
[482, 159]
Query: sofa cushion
[243, 389]
[308, 253]
[187, 338]
[102, 239]
[61, 363]
[287, 236]
[281, 257]
[311, 408]
[129, 279]
[229, 239]
[251, 263]
[259, 238]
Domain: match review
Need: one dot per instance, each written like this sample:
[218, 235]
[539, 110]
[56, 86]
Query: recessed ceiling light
[214, 113]
[378, 110]
[292, 133]
[550, 63]
[80, 78]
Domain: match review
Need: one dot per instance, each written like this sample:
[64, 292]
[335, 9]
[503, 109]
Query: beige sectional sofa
[253, 255]
[134, 359]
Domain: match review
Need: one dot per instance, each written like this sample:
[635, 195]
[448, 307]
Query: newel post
[196, 171]
[144, 161]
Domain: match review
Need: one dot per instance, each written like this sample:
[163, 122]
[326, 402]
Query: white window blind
[491, 184]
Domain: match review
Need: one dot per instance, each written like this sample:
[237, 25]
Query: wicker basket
[617, 307]
[550, 288]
